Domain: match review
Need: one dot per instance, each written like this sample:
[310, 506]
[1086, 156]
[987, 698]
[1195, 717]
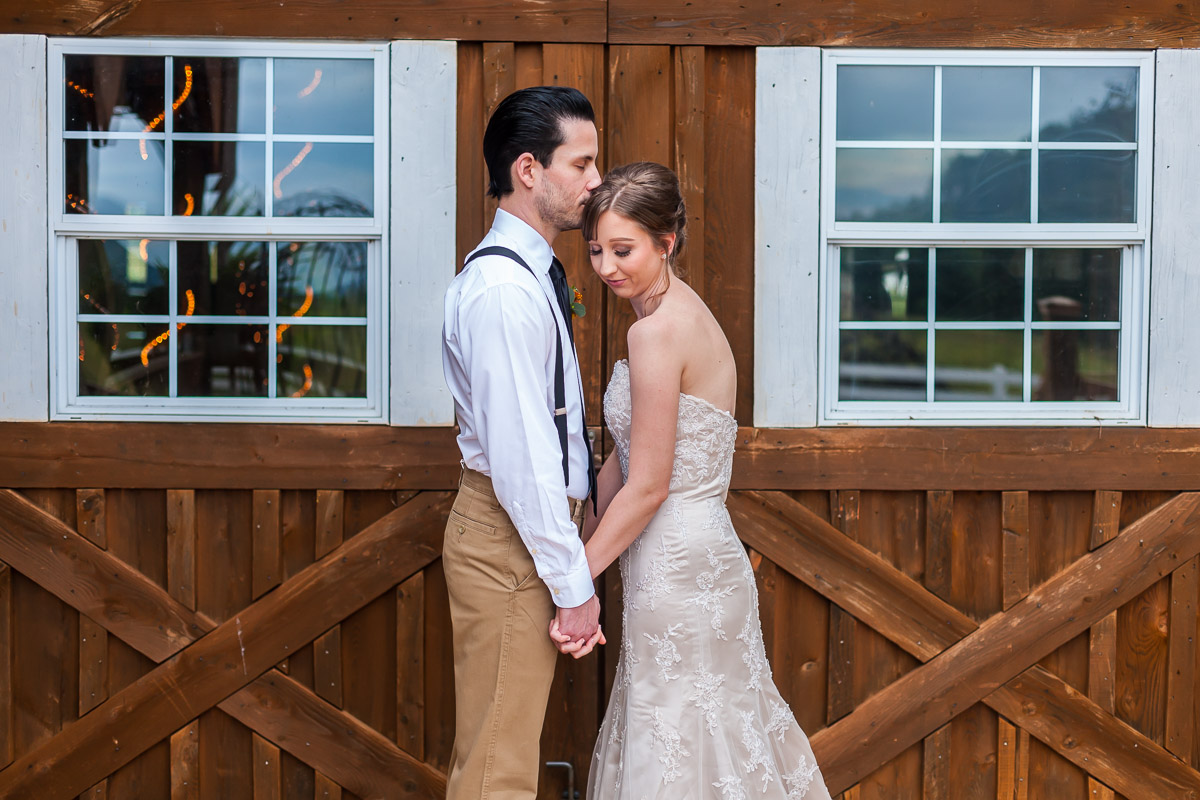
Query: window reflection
[220, 95]
[882, 365]
[978, 365]
[114, 176]
[117, 359]
[123, 276]
[1077, 365]
[322, 361]
[113, 93]
[884, 283]
[223, 361]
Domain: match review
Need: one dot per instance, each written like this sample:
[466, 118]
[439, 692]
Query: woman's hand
[577, 649]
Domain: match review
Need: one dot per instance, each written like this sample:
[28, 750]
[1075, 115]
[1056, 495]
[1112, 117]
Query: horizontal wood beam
[331, 741]
[1008, 643]
[232, 655]
[1092, 739]
[906, 23]
[493, 20]
[224, 456]
[845, 572]
[110, 592]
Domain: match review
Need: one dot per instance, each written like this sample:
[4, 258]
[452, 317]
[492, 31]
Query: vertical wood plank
[1142, 661]
[527, 64]
[471, 176]
[499, 81]
[1098, 791]
[181, 546]
[843, 628]
[1102, 661]
[97, 792]
[6, 656]
[689, 156]
[410, 666]
[93, 664]
[1106, 517]
[185, 762]
[581, 66]
[89, 515]
[936, 772]
[267, 563]
[439, 683]
[1181, 658]
[327, 665]
[729, 206]
[1012, 763]
[330, 515]
[638, 123]
[326, 789]
[267, 783]
[939, 515]
[1015, 547]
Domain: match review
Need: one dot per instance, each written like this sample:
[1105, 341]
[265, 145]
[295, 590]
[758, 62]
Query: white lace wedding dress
[694, 713]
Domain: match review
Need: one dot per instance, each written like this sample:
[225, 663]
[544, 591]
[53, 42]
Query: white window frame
[1132, 238]
[65, 228]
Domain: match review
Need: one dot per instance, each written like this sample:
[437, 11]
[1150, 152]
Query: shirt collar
[529, 242]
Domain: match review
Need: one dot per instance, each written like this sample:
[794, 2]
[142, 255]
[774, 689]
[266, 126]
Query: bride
[694, 713]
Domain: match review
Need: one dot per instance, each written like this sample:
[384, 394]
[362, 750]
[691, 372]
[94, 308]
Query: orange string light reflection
[295, 162]
[303, 390]
[300, 312]
[312, 86]
[162, 337]
[154, 123]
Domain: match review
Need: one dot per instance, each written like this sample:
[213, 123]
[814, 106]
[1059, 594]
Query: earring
[663, 256]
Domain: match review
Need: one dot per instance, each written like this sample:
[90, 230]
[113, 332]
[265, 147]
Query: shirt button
[533, 551]
[556, 592]
[461, 529]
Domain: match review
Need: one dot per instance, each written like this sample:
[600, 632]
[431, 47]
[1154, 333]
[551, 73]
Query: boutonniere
[577, 307]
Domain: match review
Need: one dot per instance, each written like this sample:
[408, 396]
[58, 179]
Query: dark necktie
[558, 278]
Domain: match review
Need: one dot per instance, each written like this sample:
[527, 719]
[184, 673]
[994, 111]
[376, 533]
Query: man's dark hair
[529, 121]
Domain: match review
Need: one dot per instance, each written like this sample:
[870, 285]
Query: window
[984, 236]
[218, 215]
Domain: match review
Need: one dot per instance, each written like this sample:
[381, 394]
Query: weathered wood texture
[162, 456]
[1148, 23]
[1026, 23]
[522, 20]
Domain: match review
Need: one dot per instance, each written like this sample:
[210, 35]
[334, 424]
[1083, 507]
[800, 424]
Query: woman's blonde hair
[647, 194]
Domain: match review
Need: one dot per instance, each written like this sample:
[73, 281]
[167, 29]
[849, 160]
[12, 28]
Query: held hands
[576, 631]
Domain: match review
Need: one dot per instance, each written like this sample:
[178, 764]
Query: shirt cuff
[572, 589]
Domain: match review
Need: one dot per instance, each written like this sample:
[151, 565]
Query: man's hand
[577, 630]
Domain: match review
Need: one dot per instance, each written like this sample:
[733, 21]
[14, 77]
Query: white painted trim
[786, 243]
[1174, 369]
[24, 352]
[424, 195]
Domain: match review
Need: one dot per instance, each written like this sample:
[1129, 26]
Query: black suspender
[560, 385]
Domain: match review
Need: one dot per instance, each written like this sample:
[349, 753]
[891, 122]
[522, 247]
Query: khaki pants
[503, 657]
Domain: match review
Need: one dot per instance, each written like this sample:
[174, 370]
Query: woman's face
[627, 258]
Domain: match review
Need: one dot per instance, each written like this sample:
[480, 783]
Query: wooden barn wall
[877, 23]
[252, 612]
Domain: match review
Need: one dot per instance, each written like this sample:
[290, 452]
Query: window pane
[322, 279]
[981, 104]
[884, 283]
[220, 95]
[980, 284]
[1089, 104]
[222, 360]
[1077, 285]
[891, 103]
[323, 179]
[113, 93]
[219, 179]
[228, 278]
[985, 185]
[877, 185]
[977, 365]
[1087, 186]
[111, 176]
[326, 96]
[322, 361]
[123, 276]
[882, 365]
[1075, 365]
[123, 359]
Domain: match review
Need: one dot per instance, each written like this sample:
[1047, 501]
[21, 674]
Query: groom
[509, 357]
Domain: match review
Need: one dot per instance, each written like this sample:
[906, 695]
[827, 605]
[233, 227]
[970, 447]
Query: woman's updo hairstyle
[646, 193]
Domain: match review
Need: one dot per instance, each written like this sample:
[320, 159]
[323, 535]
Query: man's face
[567, 183]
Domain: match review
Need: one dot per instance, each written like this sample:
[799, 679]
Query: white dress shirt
[498, 354]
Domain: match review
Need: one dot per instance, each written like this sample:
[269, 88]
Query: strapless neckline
[699, 400]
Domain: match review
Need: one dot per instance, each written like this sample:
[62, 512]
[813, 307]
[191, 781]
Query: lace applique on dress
[673, 751]
[732, 788]
[666, 654]
[755, 655]
[800, 779]
[756, 749]
[706, 695]
[781, 720]
[708, 598]
[655, 583]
